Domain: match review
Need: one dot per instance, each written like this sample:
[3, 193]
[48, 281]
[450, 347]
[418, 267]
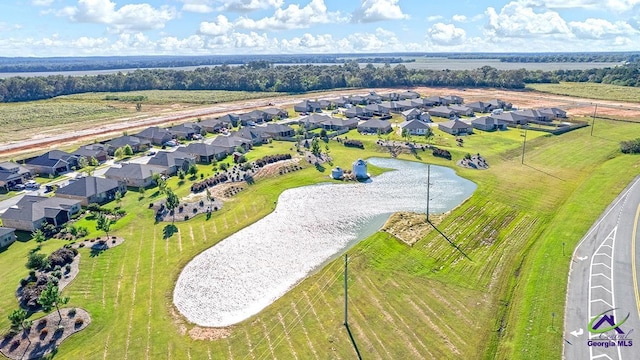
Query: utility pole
[524, 145]
[593, 121]
[346, 321]
[428, 187]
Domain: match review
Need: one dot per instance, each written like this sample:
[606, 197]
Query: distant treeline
[147, 62]
[263, 76]
[619, 57]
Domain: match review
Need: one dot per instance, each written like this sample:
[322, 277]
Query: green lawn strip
[162, 97]
[590, 91]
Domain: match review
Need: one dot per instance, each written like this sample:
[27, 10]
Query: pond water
[244, 273]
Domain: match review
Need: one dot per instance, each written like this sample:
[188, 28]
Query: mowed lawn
[426, 301]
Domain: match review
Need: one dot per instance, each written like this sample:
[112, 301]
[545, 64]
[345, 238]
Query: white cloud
[41, 2]
[378, 10]
[85, 42]
[171, 44]
[9, 27]
[128, 18]
[249, 5]
[459, 18]
[292, 17]
[600, 28]
[446, 34]
[434, 18]
[219, 27]
[198, 6]
[518, 20]
[615, 5]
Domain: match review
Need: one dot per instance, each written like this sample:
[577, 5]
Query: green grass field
[424, 301]
[164, 97]
[590, 90]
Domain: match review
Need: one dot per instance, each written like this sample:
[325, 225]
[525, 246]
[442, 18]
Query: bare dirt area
[410, 227]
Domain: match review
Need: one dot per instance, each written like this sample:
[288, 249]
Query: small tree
[18, 319]
[209, 197]
[38, 236]
[428, 134]
[181, 174]
[193, 170]
[128, 151]
[315, 147]
[323, 133]
[138, 107]
[119, 153]
[50, 297]
[141, 191]
[118, 198]
[172, 203]
[37, 261]
[103, 223]
[405, 133]
[94, 161]
[82, 162]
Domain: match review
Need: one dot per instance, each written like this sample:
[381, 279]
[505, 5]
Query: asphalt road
[603, 285]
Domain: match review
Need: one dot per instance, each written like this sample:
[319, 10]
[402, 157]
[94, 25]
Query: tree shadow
[169, 230]
[97, 250]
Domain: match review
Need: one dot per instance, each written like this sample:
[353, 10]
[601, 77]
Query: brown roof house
[32, 212]
[456, 127]
[91, 189]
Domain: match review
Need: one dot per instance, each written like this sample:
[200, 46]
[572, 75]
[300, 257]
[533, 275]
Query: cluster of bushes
[32, 289]
[62, 256]
[96, 208]
[72, 232]
[630, 147]
[215, 180]
[44, 269]
[442, 153]
[269, 159]
[354, 143]
[288, 169]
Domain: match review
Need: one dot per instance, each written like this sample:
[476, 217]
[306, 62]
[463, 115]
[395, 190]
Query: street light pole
[593, 121]
[428, 187]
[524, 144]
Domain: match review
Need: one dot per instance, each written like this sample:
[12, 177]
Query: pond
[249, 270]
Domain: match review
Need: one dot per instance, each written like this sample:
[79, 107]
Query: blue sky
[204, 27]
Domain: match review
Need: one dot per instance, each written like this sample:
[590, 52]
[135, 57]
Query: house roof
[215, 122]
[339, 122]
[414, 124]
[5, 230]
[32, 208]
[250, 133]
[277, 128]
[411, 112]
[135, 171]
[274, 111]
[314, 119]
[488, 120]
[229, 142]
[230, 118]
[456, 107]
[202, 149]
[88, 186]
[90, 150]
[186, 128]
[13, 167]
[441, 110]
[50, 158]
[455, 124]
[154, 132]
[509, 117]
[375, 124]
[529, 113]
[127, 140]
[170, 158]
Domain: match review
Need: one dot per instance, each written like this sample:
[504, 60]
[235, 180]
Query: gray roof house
[461, 110]
[511, 118]
[408, 95]
[313, 121]
[276, 113]
[12, 174]
[553, 113]
[7, 236]
[215, 125]
[173, 160]
[358, 111]
[436, 100]
[337, 124]
[453, 99]
[415, 127]
[92, 189]
[32, 212]
[137, 144]
[155, 135]
[456, 127]
[403, 105]
[411, 114]
[98, 151]
[307, 106]
[479, 106]
[532, 115]
[377, 109]
[185, 131]
[230, 142]
[233, 119]
[255, 116]
[136, 175]
[251, 134]
[441, 111]
[375, 126]
[489, 123]
[53, 162]
[278, 131]
[205, 153]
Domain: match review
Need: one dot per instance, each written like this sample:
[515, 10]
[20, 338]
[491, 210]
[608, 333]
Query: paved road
[604, 276]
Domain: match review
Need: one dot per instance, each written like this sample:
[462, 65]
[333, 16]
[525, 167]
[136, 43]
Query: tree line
[263, 76]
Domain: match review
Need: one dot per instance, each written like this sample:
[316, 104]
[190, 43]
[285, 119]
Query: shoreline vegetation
[420, 301]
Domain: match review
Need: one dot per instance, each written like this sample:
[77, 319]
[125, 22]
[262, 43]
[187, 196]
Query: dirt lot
[58, 138]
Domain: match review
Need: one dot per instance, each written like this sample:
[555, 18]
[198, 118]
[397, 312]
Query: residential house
[420, 103]
[93, 151]
[205, 153]
[392, 96]
[155, 135]
[403, 105]
[532, 115]
[233, 119]
[325, 104]
[358, 111]
[357, 100]
[253, 117]
[373, 98]
[442, 111]
[249, 133]
[278, 114]
[341, 102]
[185, 131]
[215, 125]
[480, 107]
[489, 123]
[7, 236]
[411, 114]
[415, 127]
[12, 174]
[553, 113]
[313, 121]
[137, 144]
[278, 131]
[91, 189]
[456, 127]
[511, 118]
[435, 101]
[230, 142]
[377, 109]
[53, 162]
[498, 104]
[32, 212]
[173, 160]
[307, 106]
[452, 99]
[408, 95]
[337, 124]
[135, 175]
[391, 106]
[461, 110]
[375, 126]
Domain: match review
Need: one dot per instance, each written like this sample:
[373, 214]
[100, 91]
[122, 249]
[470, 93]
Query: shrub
[44, 333]
[37, 261]
[630, 147]
[72, 312]
[24, 282]
[79, 322]
[354, 143]
[186, 217]
[195, 210]
[42, 323]
[32, 274]
[81, 245]
[67, 268]
[441, 153]
[61, 257]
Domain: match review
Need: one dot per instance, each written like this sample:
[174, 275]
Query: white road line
[602, 287]
[601, 355]
[603, 275]
[600, 300]
[603, 264]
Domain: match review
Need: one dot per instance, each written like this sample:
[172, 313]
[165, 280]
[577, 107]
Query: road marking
[603, 275]
[602, 355]
[583, 258]
[602, 287]
[633, 260]
[577, 333]
[603, 264]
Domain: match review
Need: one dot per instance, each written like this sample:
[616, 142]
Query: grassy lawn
[590, 90]
[424, 301]
[163, 97]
